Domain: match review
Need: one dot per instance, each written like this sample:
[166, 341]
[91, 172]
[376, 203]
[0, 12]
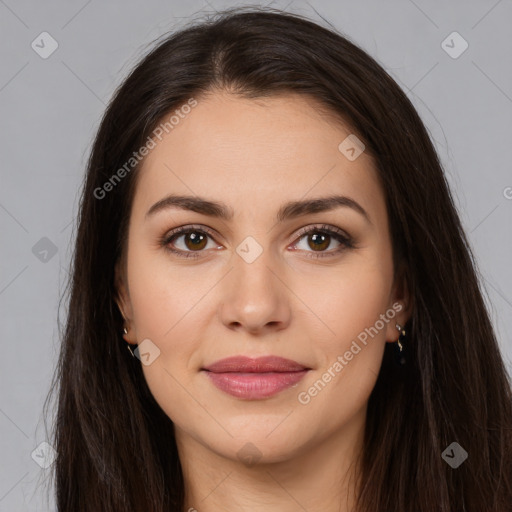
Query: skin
[254, 155]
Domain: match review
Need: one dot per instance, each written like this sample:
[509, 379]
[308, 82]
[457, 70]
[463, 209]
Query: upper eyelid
[183, 230]
[324, 227]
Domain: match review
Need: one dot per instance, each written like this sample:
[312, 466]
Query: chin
[256, 445]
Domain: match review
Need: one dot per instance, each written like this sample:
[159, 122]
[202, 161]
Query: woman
[266, 226]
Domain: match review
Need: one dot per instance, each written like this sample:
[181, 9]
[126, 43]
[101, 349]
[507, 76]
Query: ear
[401, 302]
[122, 298]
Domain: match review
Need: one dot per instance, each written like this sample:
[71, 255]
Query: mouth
[255, 379]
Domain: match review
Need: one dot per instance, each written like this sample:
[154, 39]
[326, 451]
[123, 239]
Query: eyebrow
[288, 211]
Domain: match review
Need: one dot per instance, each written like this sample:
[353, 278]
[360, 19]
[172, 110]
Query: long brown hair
[116, 447]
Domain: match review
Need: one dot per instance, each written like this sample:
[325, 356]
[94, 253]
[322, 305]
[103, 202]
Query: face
[312, 285]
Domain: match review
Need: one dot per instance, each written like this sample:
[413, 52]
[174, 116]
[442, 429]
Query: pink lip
[252, 379]
[258, 365]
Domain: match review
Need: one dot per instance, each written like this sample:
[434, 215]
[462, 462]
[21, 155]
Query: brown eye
[188, 242]
[195, 240]
[319, 241]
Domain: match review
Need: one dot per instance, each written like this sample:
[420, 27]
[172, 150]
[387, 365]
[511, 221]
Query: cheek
[160, 295]
[347, 300]
[351, 350]
[164, 306]
[350, 304]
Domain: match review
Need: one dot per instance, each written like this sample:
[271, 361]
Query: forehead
[253, 152]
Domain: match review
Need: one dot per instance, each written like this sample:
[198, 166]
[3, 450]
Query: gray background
[50, 109]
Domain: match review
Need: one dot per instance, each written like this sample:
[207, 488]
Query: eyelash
[346, 241]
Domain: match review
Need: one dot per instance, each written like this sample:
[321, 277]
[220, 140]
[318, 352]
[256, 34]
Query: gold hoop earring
[399, 347]
[401, 330]
[128, 345]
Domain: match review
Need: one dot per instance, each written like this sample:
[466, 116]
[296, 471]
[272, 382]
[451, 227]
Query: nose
[254, 298]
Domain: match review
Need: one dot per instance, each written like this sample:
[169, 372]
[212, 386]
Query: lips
[255, 379]
[265, 364]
